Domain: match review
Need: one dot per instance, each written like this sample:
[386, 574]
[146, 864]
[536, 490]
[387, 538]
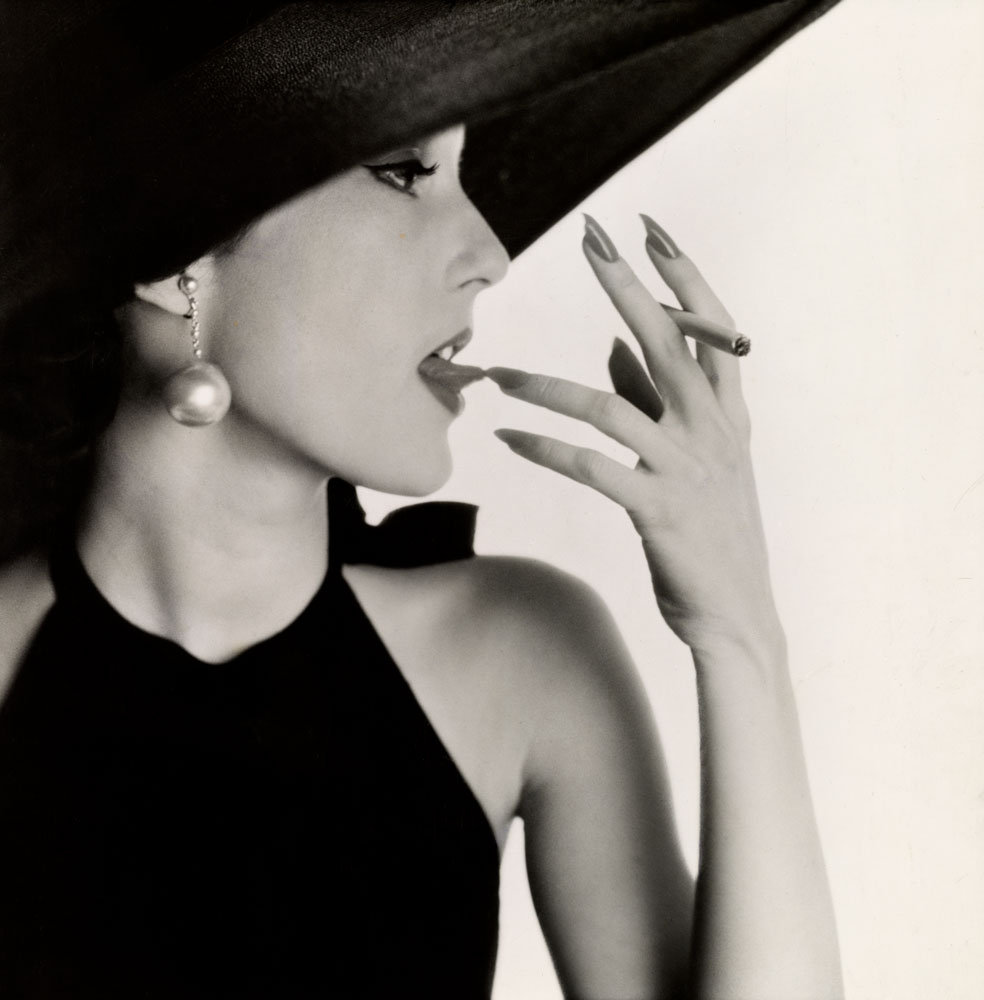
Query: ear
[166, 295]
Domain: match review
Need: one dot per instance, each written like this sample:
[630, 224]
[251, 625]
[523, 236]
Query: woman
[249, 747]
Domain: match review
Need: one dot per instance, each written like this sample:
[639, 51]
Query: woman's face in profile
[327, 307]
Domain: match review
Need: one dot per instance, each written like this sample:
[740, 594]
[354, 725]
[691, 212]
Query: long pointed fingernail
[599, 240]
[512, 439]
[507, 378]
[659, 239]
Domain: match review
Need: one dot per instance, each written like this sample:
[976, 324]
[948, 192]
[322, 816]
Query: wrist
[744, 686]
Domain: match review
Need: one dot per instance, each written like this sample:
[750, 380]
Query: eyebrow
[400, 153]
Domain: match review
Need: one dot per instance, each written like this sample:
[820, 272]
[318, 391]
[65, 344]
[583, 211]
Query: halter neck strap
[419, 535]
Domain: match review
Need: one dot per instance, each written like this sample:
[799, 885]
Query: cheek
[323, 329]
[358, 330]
[333, 371]
[357, 343]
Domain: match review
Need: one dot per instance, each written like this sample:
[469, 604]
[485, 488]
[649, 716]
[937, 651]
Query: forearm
[764, 924]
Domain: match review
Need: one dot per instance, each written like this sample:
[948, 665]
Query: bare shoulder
[542, 617]
[524, 608]
[26, 594]
[509, 658]
[532, 590]
[540, 632]
[550, 623]
[570, 672]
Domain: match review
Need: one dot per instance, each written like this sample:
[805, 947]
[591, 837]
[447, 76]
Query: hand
[691, 495]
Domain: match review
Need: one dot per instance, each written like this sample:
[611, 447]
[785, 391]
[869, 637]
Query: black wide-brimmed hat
[136, 136]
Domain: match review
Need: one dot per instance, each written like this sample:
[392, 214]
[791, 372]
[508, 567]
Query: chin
[426, 471]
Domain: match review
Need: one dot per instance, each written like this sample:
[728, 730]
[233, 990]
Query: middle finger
[674, 371]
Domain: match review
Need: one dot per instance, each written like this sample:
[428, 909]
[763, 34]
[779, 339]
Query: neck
[207, 536]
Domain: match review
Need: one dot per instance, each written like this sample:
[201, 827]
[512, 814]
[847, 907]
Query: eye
[403, 175]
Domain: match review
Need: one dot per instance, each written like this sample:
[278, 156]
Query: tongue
[453, 376]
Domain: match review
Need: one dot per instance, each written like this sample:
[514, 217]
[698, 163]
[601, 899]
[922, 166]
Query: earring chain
[188, 287]
[196, 330]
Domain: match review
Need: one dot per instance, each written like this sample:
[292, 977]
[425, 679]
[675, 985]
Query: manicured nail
[511, 439]
[599, 240]
[659, 239]
[507, 378]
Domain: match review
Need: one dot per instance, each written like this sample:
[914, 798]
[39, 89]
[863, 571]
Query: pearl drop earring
[197, 395]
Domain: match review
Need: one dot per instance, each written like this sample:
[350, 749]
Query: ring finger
[675, 373]
[695, 295]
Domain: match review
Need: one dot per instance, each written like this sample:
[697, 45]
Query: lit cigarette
[710, 333]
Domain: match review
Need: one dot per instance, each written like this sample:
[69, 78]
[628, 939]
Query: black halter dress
[284, 825]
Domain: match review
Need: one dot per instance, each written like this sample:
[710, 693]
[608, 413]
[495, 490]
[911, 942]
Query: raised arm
[763, 925]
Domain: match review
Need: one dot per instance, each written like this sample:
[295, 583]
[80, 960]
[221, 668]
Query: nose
[482, 260]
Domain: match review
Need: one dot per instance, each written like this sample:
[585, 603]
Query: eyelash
[409, 170]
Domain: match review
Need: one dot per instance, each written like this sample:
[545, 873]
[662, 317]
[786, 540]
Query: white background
[834, 197]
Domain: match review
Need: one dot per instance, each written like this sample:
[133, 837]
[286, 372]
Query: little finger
[583, 465]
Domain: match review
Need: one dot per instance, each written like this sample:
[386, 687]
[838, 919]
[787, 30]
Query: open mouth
[446, 353]
[445, 378]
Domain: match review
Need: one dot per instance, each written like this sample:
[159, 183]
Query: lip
[444, 378]
[459, 341]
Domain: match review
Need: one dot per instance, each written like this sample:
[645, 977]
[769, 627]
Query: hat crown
[135, 138]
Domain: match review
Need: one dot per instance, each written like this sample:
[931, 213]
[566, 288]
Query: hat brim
[534, 163]
[557, 96]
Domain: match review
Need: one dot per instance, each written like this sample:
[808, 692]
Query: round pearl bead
[198, 395]
[187, 284]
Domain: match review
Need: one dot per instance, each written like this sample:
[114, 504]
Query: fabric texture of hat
[133, 141]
